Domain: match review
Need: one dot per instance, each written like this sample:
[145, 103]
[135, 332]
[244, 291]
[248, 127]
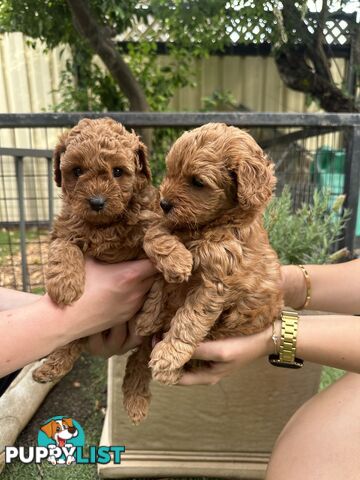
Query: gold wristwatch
[286, 357]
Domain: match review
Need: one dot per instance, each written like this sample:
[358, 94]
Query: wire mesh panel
[26, 213]
[306, 159]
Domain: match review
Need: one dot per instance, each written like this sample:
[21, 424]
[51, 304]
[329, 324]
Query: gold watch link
[287, 351]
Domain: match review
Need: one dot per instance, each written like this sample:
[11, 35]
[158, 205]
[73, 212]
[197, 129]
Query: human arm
[14, 298]
[334, 288]
[113, 294]
[114, 341]
[332, 340]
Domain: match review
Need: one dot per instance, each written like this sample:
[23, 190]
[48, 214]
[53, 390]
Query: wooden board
[226, 430]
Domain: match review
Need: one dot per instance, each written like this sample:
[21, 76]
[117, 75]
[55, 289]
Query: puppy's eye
[58, 429]
[196, 182]
[77, 171]
[117, 171]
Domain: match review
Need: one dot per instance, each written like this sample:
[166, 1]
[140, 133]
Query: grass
[10, 240]
[329, 375]
[11, 275]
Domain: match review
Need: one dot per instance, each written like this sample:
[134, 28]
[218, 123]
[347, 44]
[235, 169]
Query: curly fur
[212, 241]
[113, 234]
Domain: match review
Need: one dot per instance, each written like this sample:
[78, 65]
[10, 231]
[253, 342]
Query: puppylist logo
[61, 441]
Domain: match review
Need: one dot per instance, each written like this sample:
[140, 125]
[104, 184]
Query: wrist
[267, 339]
[294, 286]
[60, 324]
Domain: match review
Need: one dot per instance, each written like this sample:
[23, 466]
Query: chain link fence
[309, 151]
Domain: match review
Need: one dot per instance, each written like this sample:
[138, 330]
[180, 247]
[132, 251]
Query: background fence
[309, 152]
[29, 77]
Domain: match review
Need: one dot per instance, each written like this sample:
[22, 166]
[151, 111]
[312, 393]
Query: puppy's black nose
[166, 206]
[97, 203]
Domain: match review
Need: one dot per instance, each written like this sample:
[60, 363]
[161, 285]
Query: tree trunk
[306, 68]
[18, 404]
[100, 40]
[296, 73]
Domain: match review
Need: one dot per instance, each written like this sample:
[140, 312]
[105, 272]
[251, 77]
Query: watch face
[275, 360]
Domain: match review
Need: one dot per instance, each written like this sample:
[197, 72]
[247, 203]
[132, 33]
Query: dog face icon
[60, 430]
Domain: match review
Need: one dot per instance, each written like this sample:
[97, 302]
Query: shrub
[309, 234]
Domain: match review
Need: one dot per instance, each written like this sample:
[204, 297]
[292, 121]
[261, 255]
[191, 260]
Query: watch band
[287, 350]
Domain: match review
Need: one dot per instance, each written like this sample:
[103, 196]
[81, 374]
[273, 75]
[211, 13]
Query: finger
[143, 268]
[213, 350]
[115, 340]
[95, 344]
[132, 340]
[147, 284]
[200, 377]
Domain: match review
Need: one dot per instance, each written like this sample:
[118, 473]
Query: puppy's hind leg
[59, 363]
[148, 320]
[136, 383]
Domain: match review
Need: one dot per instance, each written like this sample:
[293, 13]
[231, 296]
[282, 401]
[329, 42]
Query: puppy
[222, 278]
[107, 204]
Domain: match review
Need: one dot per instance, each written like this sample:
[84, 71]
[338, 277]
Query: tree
[134, 80]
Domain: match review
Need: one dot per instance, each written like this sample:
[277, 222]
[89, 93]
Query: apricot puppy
[217, 185]
[107, 203]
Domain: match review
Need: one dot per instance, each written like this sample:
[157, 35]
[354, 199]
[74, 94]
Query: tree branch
[298, 75]
[100, 40]
[295, 69]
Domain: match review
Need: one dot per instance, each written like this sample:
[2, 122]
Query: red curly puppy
[211, 238]
[108, 202]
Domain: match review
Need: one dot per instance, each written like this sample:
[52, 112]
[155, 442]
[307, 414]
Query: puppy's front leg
[170, 256]
[65, 274]
[189, 327]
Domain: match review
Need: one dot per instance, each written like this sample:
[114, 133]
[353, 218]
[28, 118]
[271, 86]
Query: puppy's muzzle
[166, 206]
[97, 203]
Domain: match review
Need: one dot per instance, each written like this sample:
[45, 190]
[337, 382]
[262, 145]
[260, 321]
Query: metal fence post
[352, 177]
[19, 168]
[50, 191]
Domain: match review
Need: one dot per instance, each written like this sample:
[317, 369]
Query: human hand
[113, 294]
[115, 341]
[226, 356]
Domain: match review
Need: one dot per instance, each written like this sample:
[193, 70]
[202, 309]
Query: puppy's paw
[166, 362]
[167, 377]
[137, 407]
[64, 291]
[46, 374]
[177, 266]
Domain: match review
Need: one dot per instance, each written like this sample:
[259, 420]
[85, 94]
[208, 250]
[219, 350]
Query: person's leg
[322, 439]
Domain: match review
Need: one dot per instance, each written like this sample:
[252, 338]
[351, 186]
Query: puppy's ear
[68, 421]
[49, 428]
[59, 150]
[254, 176]
[142, 160]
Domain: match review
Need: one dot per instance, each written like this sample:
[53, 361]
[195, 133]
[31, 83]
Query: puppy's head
[214, 170]
[100, 166]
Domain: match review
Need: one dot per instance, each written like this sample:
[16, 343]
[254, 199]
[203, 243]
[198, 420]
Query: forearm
[332, 340]
[13, 299]
[334, 288]
[30, 332]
